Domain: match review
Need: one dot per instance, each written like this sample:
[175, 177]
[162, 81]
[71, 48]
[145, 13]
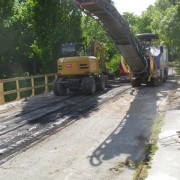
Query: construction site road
[83, 137]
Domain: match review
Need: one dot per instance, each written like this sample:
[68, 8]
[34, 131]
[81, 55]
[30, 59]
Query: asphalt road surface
[81, 137]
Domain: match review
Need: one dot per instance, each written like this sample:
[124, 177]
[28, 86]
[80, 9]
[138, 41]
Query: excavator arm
[96, 49]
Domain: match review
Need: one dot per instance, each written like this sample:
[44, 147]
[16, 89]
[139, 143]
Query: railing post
[18, 90]
[33, 88]
[2, 100]
[46, 84]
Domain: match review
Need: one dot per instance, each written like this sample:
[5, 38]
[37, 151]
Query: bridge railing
[19, 88]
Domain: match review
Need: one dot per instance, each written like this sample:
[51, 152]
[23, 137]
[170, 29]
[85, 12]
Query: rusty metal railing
[19, 89]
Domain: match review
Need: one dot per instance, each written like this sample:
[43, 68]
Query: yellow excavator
[80, 69]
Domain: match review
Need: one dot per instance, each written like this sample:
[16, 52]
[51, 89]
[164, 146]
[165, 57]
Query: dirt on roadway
[105, 144]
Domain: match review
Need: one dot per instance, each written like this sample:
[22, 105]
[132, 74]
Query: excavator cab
[72, 50]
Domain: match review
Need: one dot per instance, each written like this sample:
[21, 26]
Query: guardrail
[20, 89]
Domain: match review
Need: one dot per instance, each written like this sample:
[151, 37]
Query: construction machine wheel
[55, 89]
[83, 85]
[136, 82]
[62, 90]
[157, 81]
[88, 85]
[165, 75]
[101, 83]
[111, 76]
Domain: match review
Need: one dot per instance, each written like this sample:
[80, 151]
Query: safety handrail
[19, 89]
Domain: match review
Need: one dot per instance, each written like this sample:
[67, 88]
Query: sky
[133, 6]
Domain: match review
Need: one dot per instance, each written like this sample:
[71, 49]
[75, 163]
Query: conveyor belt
[118, 29]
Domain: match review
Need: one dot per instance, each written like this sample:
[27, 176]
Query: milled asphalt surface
[166, 162]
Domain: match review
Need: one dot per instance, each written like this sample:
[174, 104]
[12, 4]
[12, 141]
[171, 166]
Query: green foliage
[113, 65]
[31, 32]
[6, 9]
[16, 38]
[133, 21]
[93, 29]
[55, 22]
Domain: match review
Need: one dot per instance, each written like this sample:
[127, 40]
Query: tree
[133, 21]
[55, 22]
[31, 32]
[93, 29]
[6, 10]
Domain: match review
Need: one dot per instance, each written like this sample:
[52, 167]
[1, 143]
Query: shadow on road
[45, 109]
[127, 141]
[44, 114]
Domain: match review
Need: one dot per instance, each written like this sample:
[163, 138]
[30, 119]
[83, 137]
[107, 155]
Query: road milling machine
[144, 62]
[80, 69]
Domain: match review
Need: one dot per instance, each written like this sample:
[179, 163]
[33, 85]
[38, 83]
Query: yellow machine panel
[78, 65]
